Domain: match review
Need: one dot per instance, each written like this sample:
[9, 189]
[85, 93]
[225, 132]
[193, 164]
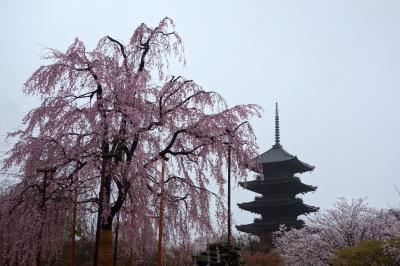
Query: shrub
[219, 254]
[366, 252]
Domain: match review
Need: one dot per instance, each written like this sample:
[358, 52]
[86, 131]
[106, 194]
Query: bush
[366, 252]
[219, 254]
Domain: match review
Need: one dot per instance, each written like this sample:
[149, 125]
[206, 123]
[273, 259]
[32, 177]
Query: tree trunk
[104, 226]
[103, 246]
[105, 257]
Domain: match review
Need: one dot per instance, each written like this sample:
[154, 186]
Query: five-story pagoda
[278, 187]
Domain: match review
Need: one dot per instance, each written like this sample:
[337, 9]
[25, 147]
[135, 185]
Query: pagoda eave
[277, 157]
[261, 227]
[272, 184]
[266, 205]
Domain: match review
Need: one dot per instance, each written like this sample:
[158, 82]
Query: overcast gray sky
[333, 66]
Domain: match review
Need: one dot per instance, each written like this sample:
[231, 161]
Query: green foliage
[392, 248]
[366, 252]
[220, 254]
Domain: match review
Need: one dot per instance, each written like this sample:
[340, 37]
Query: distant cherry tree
[345, 225]
[108, 120]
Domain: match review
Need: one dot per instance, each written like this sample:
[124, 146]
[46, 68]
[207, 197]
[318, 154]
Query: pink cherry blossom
[110, 116]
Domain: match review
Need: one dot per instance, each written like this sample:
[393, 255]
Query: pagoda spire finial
[277, 137]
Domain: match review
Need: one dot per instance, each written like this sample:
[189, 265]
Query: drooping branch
[121, 46]
[146, 48]
[123, 187]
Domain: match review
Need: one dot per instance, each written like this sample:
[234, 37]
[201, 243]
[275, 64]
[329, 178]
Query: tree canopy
[107, 120]
[350, 223]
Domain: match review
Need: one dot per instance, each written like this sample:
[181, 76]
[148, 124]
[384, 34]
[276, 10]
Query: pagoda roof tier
[286, 183]
[276, 158]
[260, 227]
[262, 205]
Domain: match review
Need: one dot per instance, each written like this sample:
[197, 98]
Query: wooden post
[160, 223]
[229, 206]
[208, 254]
[229, 196]
[42, 213]
[74, 210]
[73, 227]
